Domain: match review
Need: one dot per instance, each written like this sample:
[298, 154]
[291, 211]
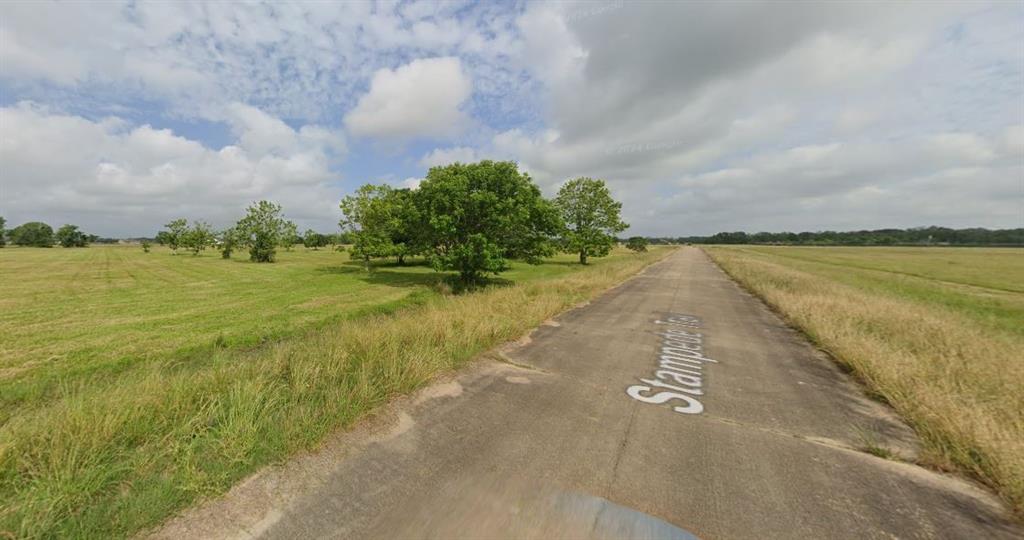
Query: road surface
[673, 405]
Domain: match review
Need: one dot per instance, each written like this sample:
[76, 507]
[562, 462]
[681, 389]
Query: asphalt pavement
[675, 405]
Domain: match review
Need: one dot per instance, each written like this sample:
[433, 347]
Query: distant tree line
[877, 237]
[39, 234]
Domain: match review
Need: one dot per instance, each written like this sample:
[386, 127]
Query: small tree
[175, 233]
[591, 217]
[369, 218]
[33, 233]
[290, 237]
[228, 240]
[69, 236]
[313, 239]
[262, 229]
[3, 232]
[197, 238]
[145, 246]
[637, 243]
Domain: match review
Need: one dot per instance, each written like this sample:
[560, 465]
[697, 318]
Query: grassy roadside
[112, 457]
[83, 315]
[943, 347]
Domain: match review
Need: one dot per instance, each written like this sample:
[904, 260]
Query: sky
[701, 117]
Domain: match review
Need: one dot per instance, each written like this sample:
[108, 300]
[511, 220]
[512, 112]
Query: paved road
[752, 434]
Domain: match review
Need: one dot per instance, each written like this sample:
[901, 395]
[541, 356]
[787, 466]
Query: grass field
[936, 332]
[132, 384]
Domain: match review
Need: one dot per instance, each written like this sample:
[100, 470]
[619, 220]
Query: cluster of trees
[637, 243]
[70, 236]
[261, 231]
[474, 218]
[469, 218]
[878, 237]
[39, 234]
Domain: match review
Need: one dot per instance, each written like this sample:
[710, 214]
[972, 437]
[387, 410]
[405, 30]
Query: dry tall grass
[959, 383]
[108, 460]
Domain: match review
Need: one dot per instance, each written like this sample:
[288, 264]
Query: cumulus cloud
[294, 60]
[114, 178]
[734, 112]
[957, 179]
[702, 116]
[420, 99]
[444, 156]
[411, 183]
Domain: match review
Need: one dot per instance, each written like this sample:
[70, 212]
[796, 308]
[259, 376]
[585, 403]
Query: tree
[175, 233]
[373, 219]
[197, 238]
[33, 233]
[145, 246]
[475, 216]
[262, 229]
[69, 236]
[228, 240]
[406, 235]
[163, 238]
[591, 217]
[3, 232]
[637, 243]
[290, 237]
[313, 239]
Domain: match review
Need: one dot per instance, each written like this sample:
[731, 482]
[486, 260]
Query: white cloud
[853, 119]
[444, 156]
[260, 133]
[963, 147]
[293, 60]
[742, 115]
[851, 186]
[420, 99]
[112, 178]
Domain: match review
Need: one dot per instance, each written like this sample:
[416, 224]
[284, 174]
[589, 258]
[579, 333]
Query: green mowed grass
[136, 383]
[73, 314]
[936, 332]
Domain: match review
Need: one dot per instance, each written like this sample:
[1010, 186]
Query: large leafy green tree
[198, 237]
[380, 221]
[69, 236]
[33, 233]
[175, 233]
[262, 229]
[476, 216]
[406, 235]
[591, 218]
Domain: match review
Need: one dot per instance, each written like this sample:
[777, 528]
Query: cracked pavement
[545, 442]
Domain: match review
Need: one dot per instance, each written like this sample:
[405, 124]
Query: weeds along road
[674, 405]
